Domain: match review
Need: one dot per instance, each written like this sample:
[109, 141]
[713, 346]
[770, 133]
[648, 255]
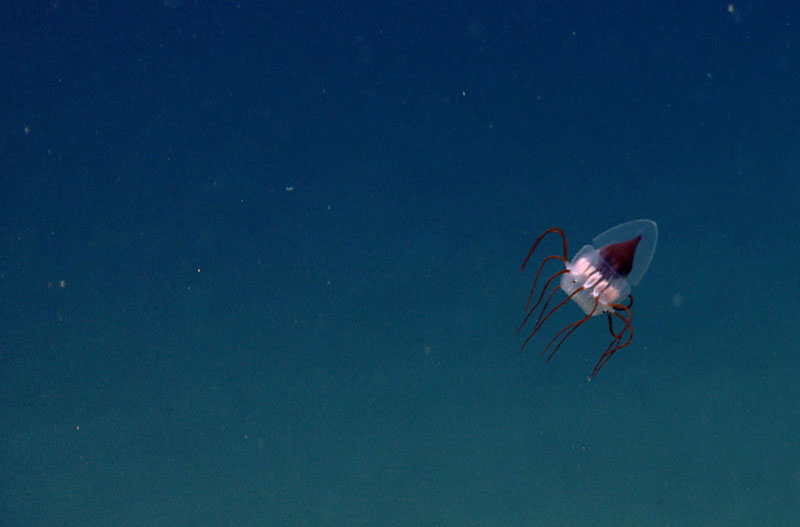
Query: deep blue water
[259, 263]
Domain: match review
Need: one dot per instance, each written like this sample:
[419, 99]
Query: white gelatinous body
[599, 278]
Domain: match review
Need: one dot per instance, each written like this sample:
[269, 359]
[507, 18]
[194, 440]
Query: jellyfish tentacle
[616, 343]
[536, 279]
[539, 323]
[541, 296]
[539, 239]
[611, 325]
[611, 318]
[570, 329]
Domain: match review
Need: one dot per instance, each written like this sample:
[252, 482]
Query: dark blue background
[258, 263]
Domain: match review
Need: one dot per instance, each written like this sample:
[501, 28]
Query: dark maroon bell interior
[620, 255]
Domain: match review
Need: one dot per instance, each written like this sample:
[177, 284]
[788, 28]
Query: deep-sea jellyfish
[599, 279]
